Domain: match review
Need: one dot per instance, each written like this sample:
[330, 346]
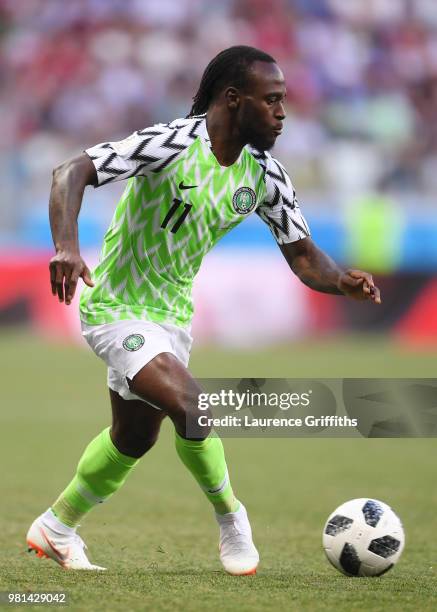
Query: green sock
[101, 471]
[206, 461]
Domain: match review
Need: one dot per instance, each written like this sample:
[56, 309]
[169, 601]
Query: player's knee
[185, 416]
[176, 394]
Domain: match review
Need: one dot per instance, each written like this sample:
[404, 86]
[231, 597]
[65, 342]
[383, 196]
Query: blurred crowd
[361, 78]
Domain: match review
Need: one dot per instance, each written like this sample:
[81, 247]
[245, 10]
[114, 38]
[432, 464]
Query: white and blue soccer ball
[363, 537]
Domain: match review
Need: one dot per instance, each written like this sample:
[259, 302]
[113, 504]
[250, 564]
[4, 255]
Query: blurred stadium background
[360, 144]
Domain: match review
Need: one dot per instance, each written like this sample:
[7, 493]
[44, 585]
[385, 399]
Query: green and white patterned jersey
[177, 204]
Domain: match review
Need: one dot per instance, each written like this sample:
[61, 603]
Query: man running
[190, 182]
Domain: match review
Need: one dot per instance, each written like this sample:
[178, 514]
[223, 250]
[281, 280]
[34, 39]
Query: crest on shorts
[244, 200]
[133, 342]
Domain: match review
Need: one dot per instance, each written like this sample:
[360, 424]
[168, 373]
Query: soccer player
[190, 182]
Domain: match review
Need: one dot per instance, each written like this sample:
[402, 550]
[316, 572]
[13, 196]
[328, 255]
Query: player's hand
[66, 267]
[359, 286]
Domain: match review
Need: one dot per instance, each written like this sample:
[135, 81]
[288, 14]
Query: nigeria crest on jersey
[244, 200]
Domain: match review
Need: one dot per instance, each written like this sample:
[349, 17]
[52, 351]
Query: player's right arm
[68, 185]
[146, 151]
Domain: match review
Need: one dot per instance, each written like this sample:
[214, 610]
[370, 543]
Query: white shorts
[127, 346]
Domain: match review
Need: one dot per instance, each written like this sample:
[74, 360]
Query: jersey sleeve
[143, 152]
[280, 209]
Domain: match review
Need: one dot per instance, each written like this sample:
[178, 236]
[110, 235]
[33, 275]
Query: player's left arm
[319, 272]
[281, 211]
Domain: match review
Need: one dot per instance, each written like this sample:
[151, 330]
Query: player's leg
[165, 383]
[109, 458]
[102, 469]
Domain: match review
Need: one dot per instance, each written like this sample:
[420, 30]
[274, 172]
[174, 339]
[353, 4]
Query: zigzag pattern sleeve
[143, 152]
[280, 209]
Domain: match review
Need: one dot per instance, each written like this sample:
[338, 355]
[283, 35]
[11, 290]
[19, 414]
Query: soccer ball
[363, 537]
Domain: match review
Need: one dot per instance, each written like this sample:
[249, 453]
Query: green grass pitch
[158, 536]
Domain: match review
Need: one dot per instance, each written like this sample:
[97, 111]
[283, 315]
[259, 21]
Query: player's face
[261, 110]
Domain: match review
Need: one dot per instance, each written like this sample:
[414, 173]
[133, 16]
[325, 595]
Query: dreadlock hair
[230, 67]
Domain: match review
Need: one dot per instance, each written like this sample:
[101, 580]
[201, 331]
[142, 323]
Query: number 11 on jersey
[171, 213]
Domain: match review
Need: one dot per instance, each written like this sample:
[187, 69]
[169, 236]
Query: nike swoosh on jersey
[182, 186]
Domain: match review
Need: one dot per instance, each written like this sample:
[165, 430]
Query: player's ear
[232, 97]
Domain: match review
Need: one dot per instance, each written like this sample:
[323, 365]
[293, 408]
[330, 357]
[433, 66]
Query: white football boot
[50, 538]
[237, 550]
